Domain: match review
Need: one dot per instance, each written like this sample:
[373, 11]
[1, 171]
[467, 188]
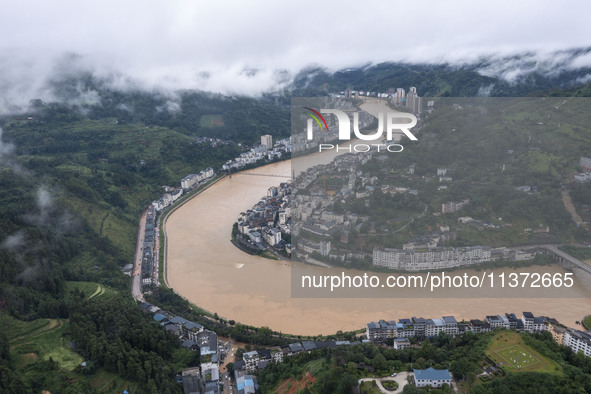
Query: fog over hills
[77, 80]
[72, 52]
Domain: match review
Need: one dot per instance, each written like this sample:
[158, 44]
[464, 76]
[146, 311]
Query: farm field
[41, 338]
[92, 291]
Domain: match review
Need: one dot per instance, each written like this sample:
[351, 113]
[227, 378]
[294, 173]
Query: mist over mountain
[79, 81]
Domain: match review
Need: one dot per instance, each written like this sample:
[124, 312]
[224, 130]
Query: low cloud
[48, 213]
[14, 242]
[29, 275]
[7, 157]
[547, 64]
[6, 150]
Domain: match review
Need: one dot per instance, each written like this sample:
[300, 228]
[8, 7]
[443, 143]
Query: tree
[230, 368]
[460, 368]
[379, 362]
[411, 389]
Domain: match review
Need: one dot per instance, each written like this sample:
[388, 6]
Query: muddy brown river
[204, 267]
[207, 269]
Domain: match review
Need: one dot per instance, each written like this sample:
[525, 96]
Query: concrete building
[267, 141]
[189, 181]
[277, 355]
[497, 322]
[583, 177]
[528, 321]
[401, 343]
[578, 341]
[433, 327]
[436, 258]
[432, 377]
[413, 101]
[557, 332]
[382, 330]
[451, 325]
[251, 360]
[454, 206]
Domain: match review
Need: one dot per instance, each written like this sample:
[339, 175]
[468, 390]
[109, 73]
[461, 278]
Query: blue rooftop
[191, 325]
[178, 320]
[159, 317]
[246, 383]
[432, 374]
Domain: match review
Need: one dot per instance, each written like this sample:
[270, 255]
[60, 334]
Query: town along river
[207, 269]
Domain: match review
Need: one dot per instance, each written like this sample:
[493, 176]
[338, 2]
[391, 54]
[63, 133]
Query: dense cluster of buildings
[418, 327]
[172, 194]
[266, 224]
[150, 245]
[261, 152]
[213, 142]
[316, 225]
[150, 253]
[312, 212]
[255, 360]
[398, 97]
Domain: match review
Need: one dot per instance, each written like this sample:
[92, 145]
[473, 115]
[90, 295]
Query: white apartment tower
[267, 141]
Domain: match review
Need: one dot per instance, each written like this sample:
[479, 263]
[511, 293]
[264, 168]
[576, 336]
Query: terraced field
[42, 338]
[92, 291]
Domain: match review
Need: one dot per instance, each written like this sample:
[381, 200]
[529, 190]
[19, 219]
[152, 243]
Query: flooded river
[207, 269]
[204, 267]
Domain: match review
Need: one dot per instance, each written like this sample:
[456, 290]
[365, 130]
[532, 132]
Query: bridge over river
[273, 175]
[566, 259]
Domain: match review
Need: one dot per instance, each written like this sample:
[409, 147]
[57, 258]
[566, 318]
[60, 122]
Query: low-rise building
[479, 326]
[433, 327]
[251, 360]
[401, 343]
[295, 348]
[451, 325]
[557, 331]
[429, 259]
[528, 321]
[497, 322]
[382, 330]
[432, 377]
[578, 341]
[245, 384]
[277, 355]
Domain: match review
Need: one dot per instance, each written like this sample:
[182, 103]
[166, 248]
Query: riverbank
[162, 226]
[205, 268]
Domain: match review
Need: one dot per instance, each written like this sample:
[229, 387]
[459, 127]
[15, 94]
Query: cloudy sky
[215, 45]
